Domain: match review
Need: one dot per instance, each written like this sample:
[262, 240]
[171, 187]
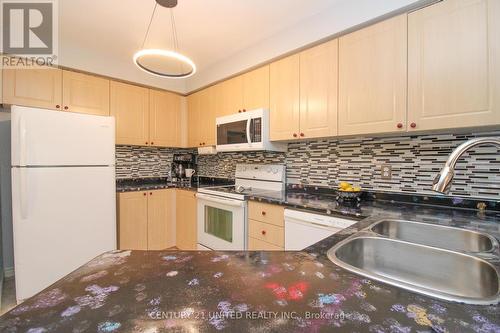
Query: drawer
[266, 232]
[258, 245]
[267, 213]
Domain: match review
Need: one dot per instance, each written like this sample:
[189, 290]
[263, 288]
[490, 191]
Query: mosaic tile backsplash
[415, 161]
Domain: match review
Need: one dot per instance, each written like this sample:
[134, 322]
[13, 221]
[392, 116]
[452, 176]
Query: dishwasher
[303, 229]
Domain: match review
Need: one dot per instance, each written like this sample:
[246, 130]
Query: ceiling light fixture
[164, 63]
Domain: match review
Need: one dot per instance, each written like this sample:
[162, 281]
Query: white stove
[222, 210]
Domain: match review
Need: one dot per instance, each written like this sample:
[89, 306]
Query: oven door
[221, 223]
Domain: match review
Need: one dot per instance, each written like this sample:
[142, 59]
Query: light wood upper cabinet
[207, 114]
[284, 98]
[319, 90]
[161, 219]
[33, 87]
[130, 106]
[256, 89]
[372, 78]
[85, 93]
[133, 221]
[454, 65]
[164, 119]
[186, 215]
[229, 96]
[194, 132]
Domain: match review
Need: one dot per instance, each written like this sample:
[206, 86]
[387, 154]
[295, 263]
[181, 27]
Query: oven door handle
[249, 138]
[229, 202]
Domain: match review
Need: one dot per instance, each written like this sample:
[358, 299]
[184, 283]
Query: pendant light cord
[174, 31]
[149, 26]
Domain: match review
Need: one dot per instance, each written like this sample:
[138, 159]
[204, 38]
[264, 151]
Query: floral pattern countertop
[183, 291]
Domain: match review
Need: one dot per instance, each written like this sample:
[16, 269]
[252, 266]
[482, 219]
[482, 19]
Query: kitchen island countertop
[158, 291]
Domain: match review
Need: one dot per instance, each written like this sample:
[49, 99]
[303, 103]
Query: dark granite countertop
[161, 291]
[147, 184]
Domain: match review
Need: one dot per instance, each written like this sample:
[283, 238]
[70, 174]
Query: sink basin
[427, 270]
[449, 238]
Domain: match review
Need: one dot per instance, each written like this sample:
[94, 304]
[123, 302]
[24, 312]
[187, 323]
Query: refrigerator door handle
[22, 141]
[23, 193]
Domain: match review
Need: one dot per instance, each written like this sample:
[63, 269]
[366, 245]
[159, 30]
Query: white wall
[7, 245]
[343, 16]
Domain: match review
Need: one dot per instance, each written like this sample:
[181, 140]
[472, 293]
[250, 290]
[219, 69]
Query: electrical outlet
[386, 172]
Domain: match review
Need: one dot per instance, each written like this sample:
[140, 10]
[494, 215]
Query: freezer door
[55, 138]
[62, 218]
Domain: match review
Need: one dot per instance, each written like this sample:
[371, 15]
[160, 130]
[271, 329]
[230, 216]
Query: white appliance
[246, 131]
[222, 210]
[303, 229]
[63, 194]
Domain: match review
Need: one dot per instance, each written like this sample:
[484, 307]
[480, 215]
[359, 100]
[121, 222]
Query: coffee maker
[181, 162]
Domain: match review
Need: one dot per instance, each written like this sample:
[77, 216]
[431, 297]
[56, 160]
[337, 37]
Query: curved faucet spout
[442, 182]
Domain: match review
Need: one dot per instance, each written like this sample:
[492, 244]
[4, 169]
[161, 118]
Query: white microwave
[245, 131]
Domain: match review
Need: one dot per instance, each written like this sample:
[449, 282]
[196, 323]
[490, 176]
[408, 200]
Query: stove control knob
[275, 170]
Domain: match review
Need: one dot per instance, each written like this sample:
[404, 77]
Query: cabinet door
[194, 134]
[207, 114]
[284, 98]
[186, 230]
[256, 89]
[85, 94]
[40, 88]
[318, 90]
[130, 106]
[372, 79]
[229, 96]
[133, 221]
[164, 119]
[161, 219]
[454, 65]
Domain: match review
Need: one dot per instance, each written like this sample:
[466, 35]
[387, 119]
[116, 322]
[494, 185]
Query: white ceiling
[222, 37]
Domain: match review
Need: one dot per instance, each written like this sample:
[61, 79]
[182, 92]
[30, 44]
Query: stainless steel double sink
[439, 261]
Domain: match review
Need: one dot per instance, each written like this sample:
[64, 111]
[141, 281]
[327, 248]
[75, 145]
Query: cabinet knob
[150, 193]
[244, 110]
[302, 134]
[58, 106]
[263, 232]
[145, 194]
[65, 108]
[413, 125]
[263, 213]
[146, 142]
[294, 135]
[239, 111]
[400, 125]
[152, 143]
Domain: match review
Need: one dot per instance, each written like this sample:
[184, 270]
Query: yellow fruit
[344, 185]
[357, 189]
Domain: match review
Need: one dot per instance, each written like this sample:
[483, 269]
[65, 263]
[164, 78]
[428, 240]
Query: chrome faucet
[442, 182]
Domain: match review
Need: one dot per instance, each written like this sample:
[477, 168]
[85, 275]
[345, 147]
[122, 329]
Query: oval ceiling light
[160, 62]
[164, 63]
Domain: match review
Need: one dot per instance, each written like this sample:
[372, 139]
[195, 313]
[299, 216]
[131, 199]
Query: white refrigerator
[63, 194]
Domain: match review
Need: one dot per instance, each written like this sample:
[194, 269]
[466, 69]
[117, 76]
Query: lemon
[344, 185]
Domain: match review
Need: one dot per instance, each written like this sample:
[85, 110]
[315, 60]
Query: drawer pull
[263, 213]
[263, 232]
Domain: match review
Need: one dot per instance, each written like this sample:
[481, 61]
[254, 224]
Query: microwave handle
[249, 138]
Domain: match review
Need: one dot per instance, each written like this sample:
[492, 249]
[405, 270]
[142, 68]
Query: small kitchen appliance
[182, 162]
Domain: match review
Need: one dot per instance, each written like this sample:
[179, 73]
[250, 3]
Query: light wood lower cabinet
[186, 216]
[33, 87]
[84, 93]
[146, 220]
[266, 227]
[454, 65]
[133, 221]
[372, 78]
